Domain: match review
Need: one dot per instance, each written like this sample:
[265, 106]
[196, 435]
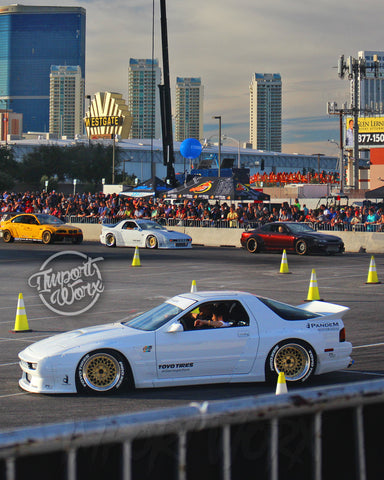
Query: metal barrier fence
[173, 222]
[331, 433]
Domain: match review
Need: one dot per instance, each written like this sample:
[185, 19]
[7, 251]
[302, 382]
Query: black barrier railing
[314, 434]
[175, 222]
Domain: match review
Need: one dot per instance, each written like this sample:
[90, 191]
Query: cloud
[225, 42]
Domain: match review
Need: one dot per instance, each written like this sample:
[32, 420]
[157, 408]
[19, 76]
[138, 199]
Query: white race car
[142, 233]
[162, 348]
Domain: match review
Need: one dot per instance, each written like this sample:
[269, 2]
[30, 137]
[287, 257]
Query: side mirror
[175, 327]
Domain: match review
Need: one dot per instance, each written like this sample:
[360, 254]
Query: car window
[129, 225]
[267, 228]
[287, 312]
[235, 314]
[21, 219]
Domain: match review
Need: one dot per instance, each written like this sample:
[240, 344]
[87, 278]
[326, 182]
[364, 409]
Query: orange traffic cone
[313, 291]
[284, 263]
[281, 386]
[21, 321]
[136, 258]
[193, 286]
[372, 273]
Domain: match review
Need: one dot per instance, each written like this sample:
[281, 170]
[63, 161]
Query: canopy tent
[151, 187]
[216, 188]
[375, 193]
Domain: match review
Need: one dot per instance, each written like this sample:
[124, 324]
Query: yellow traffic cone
[281, 386]
[313, 291]
[284, 263]
[193, 286]
[372, 274]
[136, 258]
[21, 322]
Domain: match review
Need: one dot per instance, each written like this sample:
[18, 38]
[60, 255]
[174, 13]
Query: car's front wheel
[102, 371]
[151, 242]
[7, 236]
[252, 245]
[294, 357]
[301, 247]
[110, 240]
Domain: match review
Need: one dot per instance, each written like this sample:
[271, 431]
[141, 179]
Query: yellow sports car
[39, 227]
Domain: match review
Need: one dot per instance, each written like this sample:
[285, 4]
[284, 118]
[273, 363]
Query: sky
[225, 41]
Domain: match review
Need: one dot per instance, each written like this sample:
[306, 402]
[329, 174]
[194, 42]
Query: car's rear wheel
[151, 242]
[110, 240]
[102, 371]
[294, 357]
[7, 236]
[252, 245]
[301, 247]
[46, 237]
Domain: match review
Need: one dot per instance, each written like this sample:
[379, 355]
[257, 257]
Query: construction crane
[165, 103]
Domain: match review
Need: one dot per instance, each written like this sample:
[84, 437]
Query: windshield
[150, 226]
[300, 228]
[48, 219]
[288, 312]
[155, 318]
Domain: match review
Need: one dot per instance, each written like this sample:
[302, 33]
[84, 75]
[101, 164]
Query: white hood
[84, 338]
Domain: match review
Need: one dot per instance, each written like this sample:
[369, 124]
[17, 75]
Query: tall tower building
[371, 88]
[189, 109]
[144, 76]
[32, 39]
[66, 100]
[265, 111]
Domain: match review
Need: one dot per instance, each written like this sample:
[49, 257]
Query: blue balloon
[190, 148]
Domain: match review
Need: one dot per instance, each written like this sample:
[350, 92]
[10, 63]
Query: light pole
[218, 117]
[341, 164]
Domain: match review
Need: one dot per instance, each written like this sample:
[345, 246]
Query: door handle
[243, 334]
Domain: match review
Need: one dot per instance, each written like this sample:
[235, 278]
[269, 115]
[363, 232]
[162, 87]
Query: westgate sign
[103, 121]
[108, 116]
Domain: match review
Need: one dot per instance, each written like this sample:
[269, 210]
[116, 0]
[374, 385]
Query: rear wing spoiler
[330, 310]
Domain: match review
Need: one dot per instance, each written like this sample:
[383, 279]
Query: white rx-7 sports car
[162, 347]
[142, 233]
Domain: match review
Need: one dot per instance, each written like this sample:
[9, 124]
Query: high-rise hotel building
[371, 86]
[144, 76]
[265, 111]
[189, 108]
[66, 103]
[32, 39]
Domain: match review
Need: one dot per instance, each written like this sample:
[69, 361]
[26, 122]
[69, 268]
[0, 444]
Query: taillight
[342, 335]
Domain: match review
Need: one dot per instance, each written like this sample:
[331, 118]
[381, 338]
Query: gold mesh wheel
[293, 360]
[151, 241]
[101, 372]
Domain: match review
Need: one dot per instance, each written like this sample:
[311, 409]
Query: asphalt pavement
[123, 290]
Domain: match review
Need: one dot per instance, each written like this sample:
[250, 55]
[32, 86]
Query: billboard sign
[371, 131]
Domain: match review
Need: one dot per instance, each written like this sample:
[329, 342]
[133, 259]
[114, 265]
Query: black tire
[110, 240]
[294, 357]
[252, 245]
[151, 242]
[46, 237]
[7, 236]
[103, 372]
[77, 240]
[301, 247]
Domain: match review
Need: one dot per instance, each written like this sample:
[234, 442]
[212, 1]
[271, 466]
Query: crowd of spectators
[112, 207]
